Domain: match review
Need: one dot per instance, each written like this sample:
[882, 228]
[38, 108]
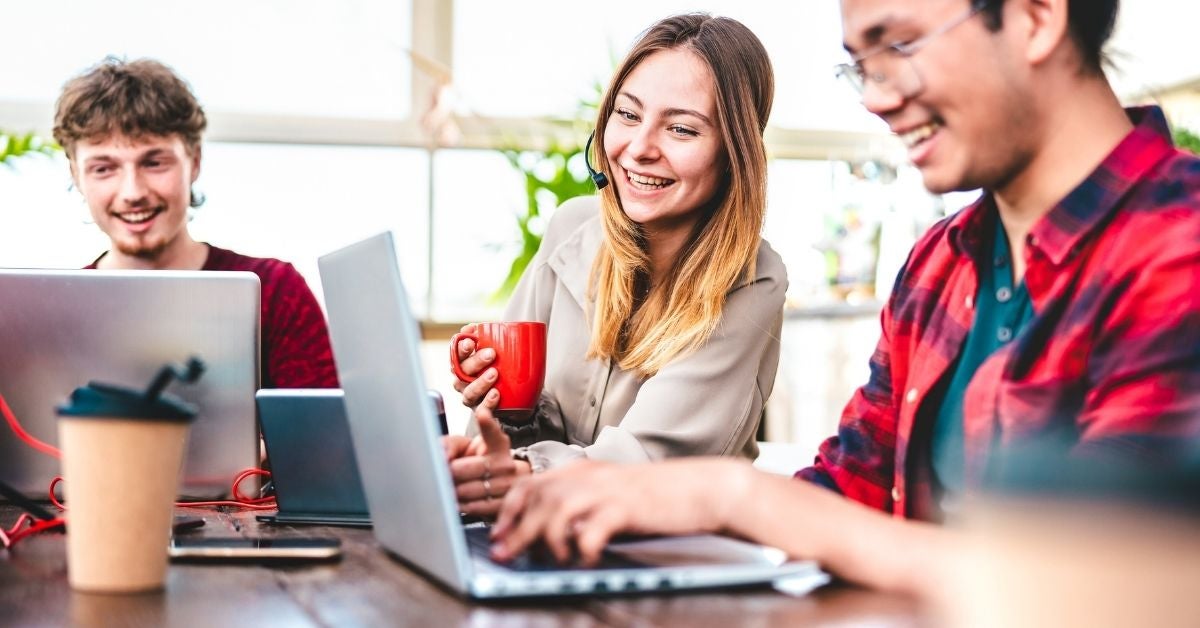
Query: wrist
[514, 418]
[516, 426]
[530, 459]
[737, 484]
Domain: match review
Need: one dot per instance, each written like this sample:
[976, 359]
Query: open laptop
[312, 458]
[408, 483]
[313, 469]
[60, 329]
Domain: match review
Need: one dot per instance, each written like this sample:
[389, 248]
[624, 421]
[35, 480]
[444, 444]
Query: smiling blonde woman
[662, 301]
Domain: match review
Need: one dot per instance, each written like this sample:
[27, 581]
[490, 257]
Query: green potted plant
[14, 145]
[1186, 140]
[551, 177]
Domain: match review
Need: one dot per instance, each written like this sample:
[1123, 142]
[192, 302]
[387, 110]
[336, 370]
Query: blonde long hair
[643, 331]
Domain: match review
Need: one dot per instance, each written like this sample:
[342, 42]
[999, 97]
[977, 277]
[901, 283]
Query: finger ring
[487, 488]
[487, 469]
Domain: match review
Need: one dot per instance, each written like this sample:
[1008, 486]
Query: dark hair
[1090, 23]
[130, 98]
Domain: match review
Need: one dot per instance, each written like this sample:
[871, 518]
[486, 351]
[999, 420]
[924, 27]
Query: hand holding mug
[509, 357]
[475, 364]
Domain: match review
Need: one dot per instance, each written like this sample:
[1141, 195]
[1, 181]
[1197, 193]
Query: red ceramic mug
[520, 361]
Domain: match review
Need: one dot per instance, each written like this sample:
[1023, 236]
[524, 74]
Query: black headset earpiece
[599, 178]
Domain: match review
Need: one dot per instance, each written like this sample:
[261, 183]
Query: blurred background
[457, 124]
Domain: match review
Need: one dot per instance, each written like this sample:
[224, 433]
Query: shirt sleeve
[296, 349]
[708, 402]
[532, 300]
[860, 460]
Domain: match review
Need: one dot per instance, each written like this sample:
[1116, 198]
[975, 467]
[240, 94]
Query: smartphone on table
[254, 549]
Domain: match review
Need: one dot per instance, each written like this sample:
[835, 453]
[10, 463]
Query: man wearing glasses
[1063, 306]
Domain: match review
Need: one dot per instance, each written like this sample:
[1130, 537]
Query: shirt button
[1003, 295]
[592, 401]
[911, 396]
[897, 493]
[969, 301]
[1001, 261]
[1004, 334]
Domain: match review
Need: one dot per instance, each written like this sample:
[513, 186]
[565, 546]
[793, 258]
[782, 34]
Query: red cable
[35, 528]
[239, 500]
[9, 538]
[18, 531]
[49, 450]
[53, 497]
[229, 503]
[249, 473]
[20, 522]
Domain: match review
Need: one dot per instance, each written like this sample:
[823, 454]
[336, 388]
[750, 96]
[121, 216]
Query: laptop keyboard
[480, 545]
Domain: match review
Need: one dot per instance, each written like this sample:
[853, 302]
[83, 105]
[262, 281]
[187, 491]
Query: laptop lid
[408, 484]
[61, 328]
[396, 435]
[311, 454]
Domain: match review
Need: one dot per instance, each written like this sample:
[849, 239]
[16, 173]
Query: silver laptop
[312, 459]
[60, 329]
[408, 485]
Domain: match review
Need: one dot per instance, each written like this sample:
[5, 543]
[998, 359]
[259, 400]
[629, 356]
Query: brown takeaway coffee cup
[122, 452]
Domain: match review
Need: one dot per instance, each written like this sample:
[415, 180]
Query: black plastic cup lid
[101, 400]
[98, 400]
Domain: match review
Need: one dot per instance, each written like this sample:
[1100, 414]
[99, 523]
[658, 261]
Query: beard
[147, 246]
[143, 248]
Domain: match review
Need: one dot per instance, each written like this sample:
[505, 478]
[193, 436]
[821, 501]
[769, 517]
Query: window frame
[432, 41]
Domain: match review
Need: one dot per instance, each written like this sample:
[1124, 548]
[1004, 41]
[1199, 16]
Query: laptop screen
[62, 329]
[310, 452]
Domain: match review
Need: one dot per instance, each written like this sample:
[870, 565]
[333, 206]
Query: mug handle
[454, 363]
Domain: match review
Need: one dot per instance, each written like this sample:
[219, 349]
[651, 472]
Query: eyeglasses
[892, 64]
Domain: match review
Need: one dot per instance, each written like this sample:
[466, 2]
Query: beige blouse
[708, 402]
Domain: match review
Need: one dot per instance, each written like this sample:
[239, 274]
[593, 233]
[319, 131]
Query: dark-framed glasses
[890, 66]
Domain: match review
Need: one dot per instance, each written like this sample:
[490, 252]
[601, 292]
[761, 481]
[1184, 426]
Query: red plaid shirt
[1111, 357]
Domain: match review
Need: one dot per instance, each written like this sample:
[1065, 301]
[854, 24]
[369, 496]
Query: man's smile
[137, 217]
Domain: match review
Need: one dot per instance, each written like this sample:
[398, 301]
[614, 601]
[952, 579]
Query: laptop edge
[407, 481]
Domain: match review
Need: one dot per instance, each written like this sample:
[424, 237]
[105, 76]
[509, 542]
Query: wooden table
[369, 588]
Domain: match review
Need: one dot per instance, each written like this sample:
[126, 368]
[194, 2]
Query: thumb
[493, 435]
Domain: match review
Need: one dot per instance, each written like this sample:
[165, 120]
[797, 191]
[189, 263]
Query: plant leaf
[13, 145]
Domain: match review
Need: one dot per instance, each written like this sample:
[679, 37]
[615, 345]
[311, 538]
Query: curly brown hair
[130, 98]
